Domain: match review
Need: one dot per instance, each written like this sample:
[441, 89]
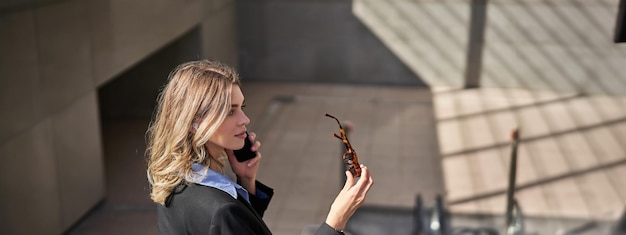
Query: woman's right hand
[349, 199]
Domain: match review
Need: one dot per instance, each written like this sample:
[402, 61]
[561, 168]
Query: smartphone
[246, 152]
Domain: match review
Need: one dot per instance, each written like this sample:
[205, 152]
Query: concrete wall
[133, 94]
[53, 59]
[313, 41]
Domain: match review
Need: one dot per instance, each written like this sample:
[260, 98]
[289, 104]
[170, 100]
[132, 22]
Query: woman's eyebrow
[236, 105]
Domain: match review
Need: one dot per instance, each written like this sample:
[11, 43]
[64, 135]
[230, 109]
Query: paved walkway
[571, 168]
[394, 136]
[572, 160]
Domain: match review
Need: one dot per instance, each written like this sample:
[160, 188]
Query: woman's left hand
[246, 171]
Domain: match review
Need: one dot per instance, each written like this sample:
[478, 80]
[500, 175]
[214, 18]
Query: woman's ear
[194, 127]
[195, 124]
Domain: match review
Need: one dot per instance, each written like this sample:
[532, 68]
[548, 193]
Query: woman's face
[232, 132]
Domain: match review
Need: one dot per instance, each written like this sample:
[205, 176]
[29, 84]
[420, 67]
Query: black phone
[246, 152]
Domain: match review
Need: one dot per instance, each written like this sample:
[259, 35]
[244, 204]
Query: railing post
[514, 218]
[419, 223]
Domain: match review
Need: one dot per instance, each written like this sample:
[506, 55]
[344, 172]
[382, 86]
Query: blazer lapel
[247, 205]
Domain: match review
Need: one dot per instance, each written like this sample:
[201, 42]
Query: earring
[195, 125]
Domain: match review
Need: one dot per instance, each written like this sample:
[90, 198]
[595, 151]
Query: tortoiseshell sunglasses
[350, 157]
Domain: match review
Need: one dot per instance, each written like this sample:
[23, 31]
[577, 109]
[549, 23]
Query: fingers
[366, 181]
[349, 181]
[363, 184]
[254, 160]
[255, 147]
[364, 175]
[257, 144]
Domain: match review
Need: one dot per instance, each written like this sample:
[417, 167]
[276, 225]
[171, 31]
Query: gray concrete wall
[53, 59]
[133, 94]
[313, 41]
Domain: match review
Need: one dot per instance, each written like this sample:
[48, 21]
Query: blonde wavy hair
[196, 92]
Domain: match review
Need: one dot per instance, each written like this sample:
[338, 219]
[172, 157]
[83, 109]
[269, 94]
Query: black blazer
[198, 209]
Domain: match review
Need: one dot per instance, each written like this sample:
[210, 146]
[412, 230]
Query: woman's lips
[241, 135]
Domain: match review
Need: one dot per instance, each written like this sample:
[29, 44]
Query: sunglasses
[349, 157]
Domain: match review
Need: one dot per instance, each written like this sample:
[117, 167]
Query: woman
[198, 122]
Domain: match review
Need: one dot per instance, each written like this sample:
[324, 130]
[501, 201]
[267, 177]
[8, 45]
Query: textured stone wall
[54, 57]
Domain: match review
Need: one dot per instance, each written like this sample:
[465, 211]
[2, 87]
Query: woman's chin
[238, 147]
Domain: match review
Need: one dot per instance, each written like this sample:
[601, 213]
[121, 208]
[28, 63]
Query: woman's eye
[231, 112]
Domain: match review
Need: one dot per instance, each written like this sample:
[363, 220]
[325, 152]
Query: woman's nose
[244, 119]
